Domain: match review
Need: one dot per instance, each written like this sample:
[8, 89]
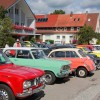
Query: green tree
[5, 27]
[58, 12]
[2, 12]
[86, 34]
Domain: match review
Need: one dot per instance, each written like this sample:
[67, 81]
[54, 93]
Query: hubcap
[81, 73]
[48, 78]
[3, 95]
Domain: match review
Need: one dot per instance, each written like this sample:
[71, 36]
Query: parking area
[72, 88]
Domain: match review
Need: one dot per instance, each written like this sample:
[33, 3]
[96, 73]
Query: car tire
[49, 78]
[81, 72]
[6, 93]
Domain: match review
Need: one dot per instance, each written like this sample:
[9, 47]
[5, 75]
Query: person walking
[17, 43]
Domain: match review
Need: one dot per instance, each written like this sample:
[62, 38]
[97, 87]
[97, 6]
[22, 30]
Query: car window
[3, 58]
[24, 54]
[10, 53]
[71, 54]
[68, 54]
[59, 54]
[38, 54]
[52, 54]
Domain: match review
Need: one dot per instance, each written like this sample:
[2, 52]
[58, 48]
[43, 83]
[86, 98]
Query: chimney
[71, 14]
[86, 12]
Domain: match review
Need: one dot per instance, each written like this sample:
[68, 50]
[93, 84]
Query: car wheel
[98, 66]
[81, 72]
[6, 93]
[49, 78]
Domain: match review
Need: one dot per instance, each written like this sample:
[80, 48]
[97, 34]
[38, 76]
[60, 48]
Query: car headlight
[42, 79]
[26, 84]
[65, 67]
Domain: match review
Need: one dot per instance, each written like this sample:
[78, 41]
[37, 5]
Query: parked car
[57, 46]
[92, 55]
[35, 57]
[18, 81]
[81, 64]
[96, 47]
[86, 50]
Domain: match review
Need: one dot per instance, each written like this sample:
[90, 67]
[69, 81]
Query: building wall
[59, 38]
[98, 26]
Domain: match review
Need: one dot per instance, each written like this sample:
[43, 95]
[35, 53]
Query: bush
[98, 41]
[50, 41]
[10, 41]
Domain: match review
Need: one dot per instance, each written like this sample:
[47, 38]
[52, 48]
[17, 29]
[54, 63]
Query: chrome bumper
[30, 91]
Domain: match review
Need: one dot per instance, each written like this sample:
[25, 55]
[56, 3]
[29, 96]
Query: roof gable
[7, 3]
[92, 20]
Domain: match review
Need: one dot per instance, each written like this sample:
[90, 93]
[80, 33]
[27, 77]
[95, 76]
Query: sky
[75, 6]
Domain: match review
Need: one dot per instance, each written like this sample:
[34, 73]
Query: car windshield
[86, 49]
[3, 58]
[38, 54]
[82, 53]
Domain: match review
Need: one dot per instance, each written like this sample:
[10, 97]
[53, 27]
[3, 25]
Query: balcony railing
[23, 30]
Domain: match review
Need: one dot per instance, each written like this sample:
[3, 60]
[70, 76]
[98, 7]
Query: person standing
[17, 43]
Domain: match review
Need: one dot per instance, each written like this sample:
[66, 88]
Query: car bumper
[30, 91]
[92, 71]
[63, 74]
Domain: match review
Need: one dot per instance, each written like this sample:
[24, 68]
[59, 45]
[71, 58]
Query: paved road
[72, 88]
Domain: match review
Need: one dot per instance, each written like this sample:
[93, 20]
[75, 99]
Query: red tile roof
[62, 20]
[52, 19]
[92, 20]
[66, 20]
[7, 3]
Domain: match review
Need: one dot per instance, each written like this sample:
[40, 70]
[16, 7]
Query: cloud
[77, 6]
[91, 4]
[58, 3]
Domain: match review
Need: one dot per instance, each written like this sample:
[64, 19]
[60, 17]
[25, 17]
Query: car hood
[52, 62]
[26, 72]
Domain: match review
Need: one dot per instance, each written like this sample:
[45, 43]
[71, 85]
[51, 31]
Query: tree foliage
[86, 34]
[58, 12]
[5, 27]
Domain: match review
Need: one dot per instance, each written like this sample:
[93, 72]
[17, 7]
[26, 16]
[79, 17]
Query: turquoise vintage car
[35, 57]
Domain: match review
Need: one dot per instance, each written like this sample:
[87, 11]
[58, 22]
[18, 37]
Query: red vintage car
[18, 81]
[81, 63]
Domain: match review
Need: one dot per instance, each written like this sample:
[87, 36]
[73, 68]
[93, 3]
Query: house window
[78, 19]
[74, 19]
[63, 37]
[89, 19]
[16, 23]
[9, 10]
[72, 28]
[16, 11]
[58, 37]
[22, 24]
[66, 28]
[78, 28]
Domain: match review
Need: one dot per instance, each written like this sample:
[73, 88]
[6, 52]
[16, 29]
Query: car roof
[63, 49]
[24, 48]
